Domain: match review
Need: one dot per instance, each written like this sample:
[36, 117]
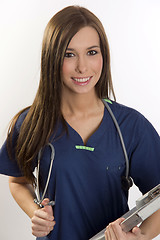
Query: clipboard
[145, 207]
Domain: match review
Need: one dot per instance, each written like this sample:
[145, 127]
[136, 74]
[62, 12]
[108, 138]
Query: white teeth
[81, 79]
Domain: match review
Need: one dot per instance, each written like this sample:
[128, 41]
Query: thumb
[136, 231]
[47, 208]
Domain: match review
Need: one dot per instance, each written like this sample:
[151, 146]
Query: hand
[115, 232]
[43, 220]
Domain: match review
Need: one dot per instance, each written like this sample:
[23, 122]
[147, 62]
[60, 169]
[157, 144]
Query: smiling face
[83, 61]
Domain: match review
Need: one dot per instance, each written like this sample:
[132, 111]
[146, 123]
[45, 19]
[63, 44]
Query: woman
[68, 112]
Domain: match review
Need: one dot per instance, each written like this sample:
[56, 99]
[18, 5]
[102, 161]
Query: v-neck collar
[94, 138]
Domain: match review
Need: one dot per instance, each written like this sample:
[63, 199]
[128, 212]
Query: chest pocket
[114, 194]
[114, 173]
[117, 169]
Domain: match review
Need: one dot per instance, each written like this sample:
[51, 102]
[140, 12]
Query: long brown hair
[45, 112]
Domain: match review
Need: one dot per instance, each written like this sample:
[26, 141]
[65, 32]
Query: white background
[133, 30]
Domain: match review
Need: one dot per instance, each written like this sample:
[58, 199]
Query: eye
[92, 52]
[69, 55]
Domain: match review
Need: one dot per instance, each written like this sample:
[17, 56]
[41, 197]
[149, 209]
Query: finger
[47, 208]
[41, 213]
[119, 220]
[39, 228]
[107, 236]
[40, 233]
[136, 231]
[42, 222]
[111, 232]
[42, 230]
[115, 229]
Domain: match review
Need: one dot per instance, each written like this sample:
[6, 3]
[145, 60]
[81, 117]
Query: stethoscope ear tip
[38, 203]
[51, 203]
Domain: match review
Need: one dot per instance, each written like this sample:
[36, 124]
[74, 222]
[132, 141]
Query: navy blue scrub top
[86, 180]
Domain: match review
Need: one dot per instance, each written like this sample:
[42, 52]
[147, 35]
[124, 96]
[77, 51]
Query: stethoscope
[126, 180]
[39, 199]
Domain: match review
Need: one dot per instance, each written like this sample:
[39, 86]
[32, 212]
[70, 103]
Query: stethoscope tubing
[39, 200]
[120, 136]
[127, 178]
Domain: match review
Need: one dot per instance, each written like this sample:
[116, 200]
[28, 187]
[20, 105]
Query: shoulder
[20, 119]
[123, 112]
[130, 119]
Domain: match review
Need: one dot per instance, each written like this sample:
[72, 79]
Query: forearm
[151, 226]
[23, 193]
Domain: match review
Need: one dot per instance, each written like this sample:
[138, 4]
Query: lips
[81, 81]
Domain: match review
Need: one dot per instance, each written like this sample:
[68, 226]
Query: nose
[81, 66]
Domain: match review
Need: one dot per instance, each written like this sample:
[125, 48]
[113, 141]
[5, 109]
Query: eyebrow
[72, 49]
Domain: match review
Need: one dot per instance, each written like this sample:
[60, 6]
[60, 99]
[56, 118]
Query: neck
[80, 103]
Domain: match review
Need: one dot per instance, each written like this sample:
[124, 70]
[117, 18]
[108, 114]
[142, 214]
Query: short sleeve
[9, 166]
[145, 159]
